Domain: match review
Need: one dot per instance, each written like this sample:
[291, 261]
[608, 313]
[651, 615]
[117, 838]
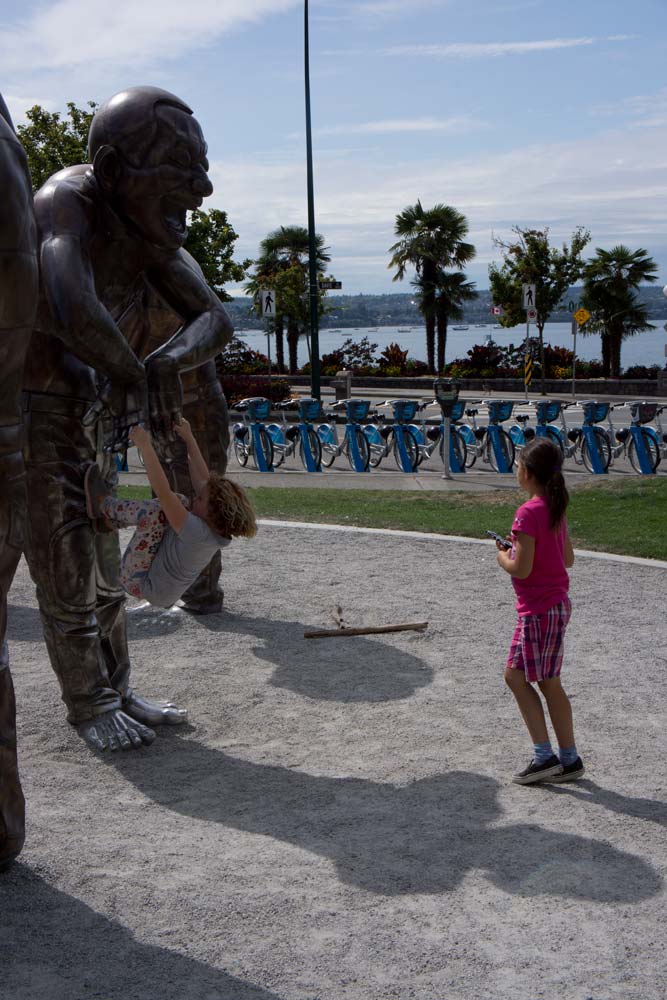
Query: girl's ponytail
[543, 459]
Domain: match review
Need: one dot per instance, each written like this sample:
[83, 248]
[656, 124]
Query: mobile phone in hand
[505, 542]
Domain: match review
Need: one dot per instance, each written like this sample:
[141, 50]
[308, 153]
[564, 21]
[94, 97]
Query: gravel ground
[337, 820]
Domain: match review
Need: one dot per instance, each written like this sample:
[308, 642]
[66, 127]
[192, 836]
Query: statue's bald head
[149, 160]
[130, 121]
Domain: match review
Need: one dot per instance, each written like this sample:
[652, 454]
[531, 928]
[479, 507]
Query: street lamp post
[312, 264]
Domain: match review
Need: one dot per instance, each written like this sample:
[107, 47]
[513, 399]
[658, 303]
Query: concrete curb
[432, 536]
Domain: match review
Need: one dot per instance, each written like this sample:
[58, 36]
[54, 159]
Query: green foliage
[491, 360]
[528, 258]
[237, 357]
[211, 240]
[236, 387]
[433, 241]
[53, 142]
[611, 283]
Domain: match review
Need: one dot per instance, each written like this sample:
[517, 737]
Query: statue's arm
[80, 319]
[206, 327]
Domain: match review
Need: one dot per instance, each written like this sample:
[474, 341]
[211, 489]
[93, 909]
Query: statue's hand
[165, 400]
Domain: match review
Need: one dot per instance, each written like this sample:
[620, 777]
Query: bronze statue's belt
[202, 392]
[46, 403]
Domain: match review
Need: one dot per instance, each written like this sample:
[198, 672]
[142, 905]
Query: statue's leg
[61, 553]
[113, 631]
[209, 419]
[12, 803]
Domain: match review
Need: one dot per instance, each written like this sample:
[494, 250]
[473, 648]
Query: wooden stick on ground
[371, 630]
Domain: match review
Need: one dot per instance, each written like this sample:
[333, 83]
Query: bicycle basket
[643, 413]
[357, 409]
[547, 410]
[259, 408]
[457, 409]
[404, 409]
[594, 412]
[310, 409]
[500, 409]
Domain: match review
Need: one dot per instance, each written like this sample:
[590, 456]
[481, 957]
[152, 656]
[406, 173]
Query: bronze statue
[18, 299]
[110, 237]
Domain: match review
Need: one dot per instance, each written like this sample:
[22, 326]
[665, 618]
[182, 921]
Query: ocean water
[645, 349]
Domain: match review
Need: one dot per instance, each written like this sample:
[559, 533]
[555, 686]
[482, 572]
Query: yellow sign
[582, 316]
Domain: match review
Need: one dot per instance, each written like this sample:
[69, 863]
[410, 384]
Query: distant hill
[398, 309]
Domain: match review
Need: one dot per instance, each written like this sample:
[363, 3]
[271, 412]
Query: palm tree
[430, 240]
[283, 263]
[611, 281]
[446, 298]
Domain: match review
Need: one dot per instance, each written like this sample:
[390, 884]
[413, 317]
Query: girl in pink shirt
[537, 562]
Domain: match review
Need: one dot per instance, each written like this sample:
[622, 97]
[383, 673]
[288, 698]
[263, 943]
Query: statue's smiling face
[172, 180]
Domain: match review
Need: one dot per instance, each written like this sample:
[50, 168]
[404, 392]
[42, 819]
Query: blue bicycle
[432, 436]
[250, 437]
[355, 443]
[592, 440]
[287, 437]
[492, 443]
[640, 443]
[383, 437]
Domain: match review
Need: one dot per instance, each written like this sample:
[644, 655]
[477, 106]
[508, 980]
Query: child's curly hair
[229, 512]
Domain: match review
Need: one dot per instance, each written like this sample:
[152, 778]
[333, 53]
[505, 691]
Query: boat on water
[403, 329]
[460, 328]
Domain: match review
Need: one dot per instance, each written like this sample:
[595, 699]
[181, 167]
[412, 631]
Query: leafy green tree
[211, 240]
[611, 282]
[445, 297]
[432, 241]
[53, 142]
[528, 258]
[283, 265]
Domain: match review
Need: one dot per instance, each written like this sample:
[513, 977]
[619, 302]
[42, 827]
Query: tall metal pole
[312, 269]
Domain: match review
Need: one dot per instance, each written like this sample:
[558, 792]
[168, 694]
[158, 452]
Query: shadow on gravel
[56, 947]
[626, 805]
[388, 839]
[345, 670]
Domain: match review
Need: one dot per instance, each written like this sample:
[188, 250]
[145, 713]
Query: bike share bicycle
[491, 443]
[355, 443]
[432, 436]
[640, 443]
[251, 437]
[399, 436]
[285, 437]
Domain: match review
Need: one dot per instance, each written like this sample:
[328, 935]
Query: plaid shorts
[537, 643]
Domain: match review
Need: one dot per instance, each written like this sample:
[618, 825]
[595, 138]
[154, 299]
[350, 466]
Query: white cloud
[388, 126]
[74, 32]
[477, 50]
[615, 195]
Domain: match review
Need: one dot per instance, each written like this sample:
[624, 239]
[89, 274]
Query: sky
[516, 112]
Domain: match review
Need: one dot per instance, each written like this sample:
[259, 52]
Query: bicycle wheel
[376, 444]
[315, 448]
[603, 447]
[650, 447]
[468, 439]
[279, 442]
[411, 447]
[329, 447]
[460, 449]
[506, 447]
[362, 446]
[240, 451]
[266, 445]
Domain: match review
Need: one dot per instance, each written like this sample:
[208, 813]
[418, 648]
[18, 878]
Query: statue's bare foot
[115, 730]
[154, 713]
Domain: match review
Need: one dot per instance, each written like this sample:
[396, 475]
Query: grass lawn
[628, 517]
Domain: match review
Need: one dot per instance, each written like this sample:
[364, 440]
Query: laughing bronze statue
[110, 240]
[18, 299]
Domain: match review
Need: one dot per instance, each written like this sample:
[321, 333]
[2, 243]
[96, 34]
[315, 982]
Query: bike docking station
[446, 392]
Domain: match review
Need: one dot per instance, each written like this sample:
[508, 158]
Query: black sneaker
[571, 772]
[538, 772]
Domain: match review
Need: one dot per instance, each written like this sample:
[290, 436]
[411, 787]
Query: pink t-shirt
[548, 582]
